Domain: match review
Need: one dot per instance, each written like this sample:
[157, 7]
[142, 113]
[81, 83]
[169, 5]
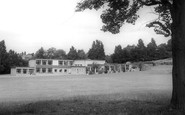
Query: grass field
[120, 93]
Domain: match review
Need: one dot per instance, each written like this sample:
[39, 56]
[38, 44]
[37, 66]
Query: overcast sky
[27, 25]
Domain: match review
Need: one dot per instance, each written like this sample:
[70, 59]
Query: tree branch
[150, 3]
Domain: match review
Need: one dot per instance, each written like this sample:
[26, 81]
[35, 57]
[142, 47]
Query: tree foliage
[60, 54]
[40, 54]
[3, 56]
[118, 56]
[81, 54]
[152, 49]
[97, 51]
[51, 53]
[117, 12]
[72, 54]
[9, 59]
[141, 52]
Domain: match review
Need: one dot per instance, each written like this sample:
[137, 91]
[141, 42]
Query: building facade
[70, 67]
[55, 67]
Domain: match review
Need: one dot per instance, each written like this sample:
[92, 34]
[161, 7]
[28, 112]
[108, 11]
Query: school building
[55, 67]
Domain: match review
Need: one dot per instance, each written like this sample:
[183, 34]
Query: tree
[97, 51]
[169, 45]
[40, 54]
[9, 59]
[72, 54]
[141, 44]
[117, 56]
[126, 54]
[152, 44]
[3, 57]
[108, 58]
[60, 54]
[152, 50]
[81, 54]
[141, 50]
[117, 12]
[162, 51]
[130, 53]
[51, 53]
[14, 60]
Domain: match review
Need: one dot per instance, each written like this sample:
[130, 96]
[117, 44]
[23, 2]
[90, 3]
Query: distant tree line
[9, 59]
[140, 52]
[133, 53]
[95, 52]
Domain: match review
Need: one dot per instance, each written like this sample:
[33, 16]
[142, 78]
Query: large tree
[3, 57]
[60, 54]
[97, 51]
[170, 22]
[72, 54]
[41, 53]
[9, 59]
[51, 53]
[152, 50]
[81, 54]
[141, 50]
[118, 56]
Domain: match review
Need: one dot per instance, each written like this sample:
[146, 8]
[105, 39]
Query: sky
[27, 25]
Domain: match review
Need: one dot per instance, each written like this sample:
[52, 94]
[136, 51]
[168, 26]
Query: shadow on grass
[84, 106]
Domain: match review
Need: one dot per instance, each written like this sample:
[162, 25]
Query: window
[31, 71]
[71, 63]
[60, 62]
[60, 70]
[43, 70]
[65, 70]
[78, 64]
[55, 70]
[49, 70]
[65, 63]
[43, 62]
[127, 67]
[38, 70]
[24, 71]
[18, 70]
[50, 62]
[38, 62]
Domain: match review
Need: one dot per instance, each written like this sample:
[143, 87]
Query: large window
[24, 71]
[71, 63]
[43, 62]
[65, 63]
[50, 62]
[49, 70]
[18, 70]
[38, 70]
[38, 62]
[43, 70]
[60, 62]
[60, 70]
[31, 71]
[55, 70]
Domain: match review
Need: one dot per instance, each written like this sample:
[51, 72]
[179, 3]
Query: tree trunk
[178, 49]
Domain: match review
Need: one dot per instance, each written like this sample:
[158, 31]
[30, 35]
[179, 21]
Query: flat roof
[22, 67]
[55, 59]
[51, 66]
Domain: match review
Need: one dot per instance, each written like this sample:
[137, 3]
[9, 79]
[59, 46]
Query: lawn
[143, 92]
